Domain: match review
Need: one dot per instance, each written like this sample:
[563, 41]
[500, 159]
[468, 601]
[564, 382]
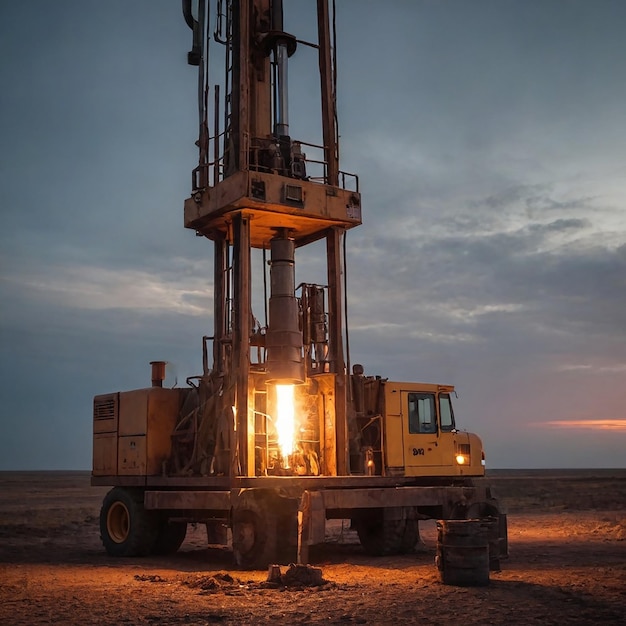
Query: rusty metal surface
[118, 481]
[297, 483]
[188, 500]
[398, 496]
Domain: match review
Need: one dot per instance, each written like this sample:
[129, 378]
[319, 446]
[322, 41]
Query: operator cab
[421, 435]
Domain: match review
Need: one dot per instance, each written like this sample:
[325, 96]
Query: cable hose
[345, 309]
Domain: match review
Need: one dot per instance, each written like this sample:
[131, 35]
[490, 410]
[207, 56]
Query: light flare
[285, 419]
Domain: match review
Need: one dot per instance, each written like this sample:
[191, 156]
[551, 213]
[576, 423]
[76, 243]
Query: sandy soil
[567, 534]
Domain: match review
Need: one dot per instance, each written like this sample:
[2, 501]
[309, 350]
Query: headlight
[463, 454]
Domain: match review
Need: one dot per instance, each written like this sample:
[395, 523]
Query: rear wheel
[126, 528]
[383, 532]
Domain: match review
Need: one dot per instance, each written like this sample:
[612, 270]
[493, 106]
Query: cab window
[446, 416]
[422, 415]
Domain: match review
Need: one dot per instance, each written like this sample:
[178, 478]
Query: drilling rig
[279, 433]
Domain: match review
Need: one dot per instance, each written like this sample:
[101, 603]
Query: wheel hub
[118, 522]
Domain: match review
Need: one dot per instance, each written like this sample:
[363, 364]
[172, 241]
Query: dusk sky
[489, 137]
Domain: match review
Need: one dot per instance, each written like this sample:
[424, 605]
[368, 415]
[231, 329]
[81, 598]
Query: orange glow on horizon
[612, 424]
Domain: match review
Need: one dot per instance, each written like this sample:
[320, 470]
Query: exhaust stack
[158, 373]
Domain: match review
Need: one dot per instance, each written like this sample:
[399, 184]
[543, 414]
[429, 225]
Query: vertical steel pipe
[282, 123]
[284, 336]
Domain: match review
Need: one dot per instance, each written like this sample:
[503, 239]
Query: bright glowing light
[285, 419]
[460, 459]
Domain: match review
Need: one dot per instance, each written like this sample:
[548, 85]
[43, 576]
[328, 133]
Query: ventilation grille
[293, 193]
[104, 408]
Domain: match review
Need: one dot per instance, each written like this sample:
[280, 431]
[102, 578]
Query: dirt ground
[567, 565]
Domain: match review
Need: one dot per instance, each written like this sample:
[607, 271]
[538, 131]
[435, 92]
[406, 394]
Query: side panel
[104, 454]
[133, 412]
[132, 456]
[163, 407]
[393, 437]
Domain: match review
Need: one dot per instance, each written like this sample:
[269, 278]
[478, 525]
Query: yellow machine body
[133, 431]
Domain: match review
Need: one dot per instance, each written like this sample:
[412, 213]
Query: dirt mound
[297, 577]
[612, 527]
[220, 581]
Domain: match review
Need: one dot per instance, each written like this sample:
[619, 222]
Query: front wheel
[126, 528]
[254, 533]
[265, 529]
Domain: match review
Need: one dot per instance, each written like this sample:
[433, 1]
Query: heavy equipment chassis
[278, 519]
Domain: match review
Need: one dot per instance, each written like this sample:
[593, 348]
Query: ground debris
[611, 528]
[149, 578]
[296, 576]
[220, 581]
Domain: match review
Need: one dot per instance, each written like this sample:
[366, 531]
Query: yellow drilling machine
[279, 433]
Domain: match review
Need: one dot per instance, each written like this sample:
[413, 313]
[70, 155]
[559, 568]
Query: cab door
[421, 431]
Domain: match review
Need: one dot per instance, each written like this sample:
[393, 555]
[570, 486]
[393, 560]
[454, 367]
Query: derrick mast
[275, 437]
[260, 188]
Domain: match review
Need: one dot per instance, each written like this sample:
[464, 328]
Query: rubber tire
[254, 527]
[264, 528]
[385, 537]
[481, 510]
[170, 537]
[126, 528]
[411, 536]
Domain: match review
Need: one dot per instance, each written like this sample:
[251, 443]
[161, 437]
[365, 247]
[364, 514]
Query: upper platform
[305, 207]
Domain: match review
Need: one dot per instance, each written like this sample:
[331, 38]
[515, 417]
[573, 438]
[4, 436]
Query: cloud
[77, 287]
[597, 369]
